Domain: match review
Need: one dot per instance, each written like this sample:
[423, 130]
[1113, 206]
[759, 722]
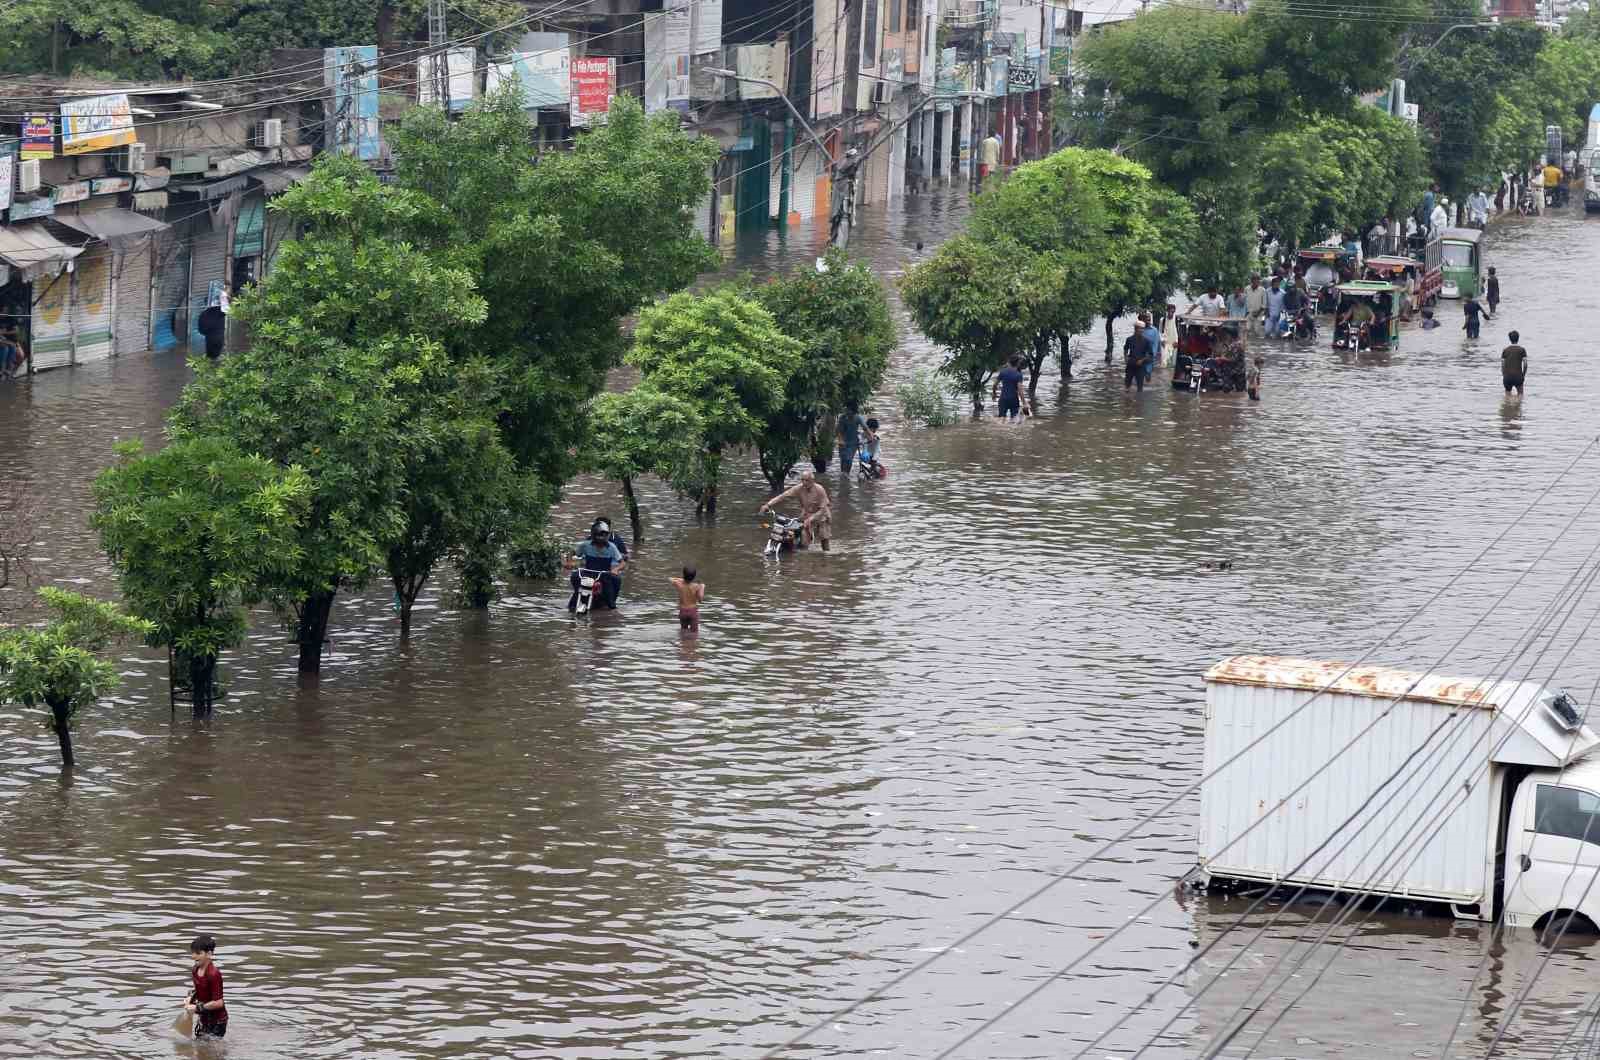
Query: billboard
[762, 62]
[594, 86]
[8, 172]
[707, 26]
[96, 124]
[667, 37]
[38, 136]
[827, 53]
[461, 84]
[545, 71]
[352, 75]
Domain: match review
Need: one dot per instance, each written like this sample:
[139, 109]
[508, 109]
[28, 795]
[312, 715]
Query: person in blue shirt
[1152, 337]
[1008, 386]
[599, 553]
[1275, 308]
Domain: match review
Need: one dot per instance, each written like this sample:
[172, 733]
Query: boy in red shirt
[205, 1000]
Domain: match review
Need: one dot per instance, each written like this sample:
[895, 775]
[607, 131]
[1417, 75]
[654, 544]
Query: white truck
[1476, 795]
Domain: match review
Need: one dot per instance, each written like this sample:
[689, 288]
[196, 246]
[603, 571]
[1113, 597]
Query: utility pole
[437, 40]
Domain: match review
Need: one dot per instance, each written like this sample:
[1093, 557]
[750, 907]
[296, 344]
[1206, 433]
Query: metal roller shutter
[131, 327]
[168, 316]
[207, 275]
[803, 185]
[91, 305]
[52, 327]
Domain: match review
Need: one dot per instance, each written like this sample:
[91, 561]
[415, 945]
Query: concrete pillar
[967, 168]
[928, 142]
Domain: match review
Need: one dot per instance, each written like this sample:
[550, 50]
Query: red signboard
[594, 86]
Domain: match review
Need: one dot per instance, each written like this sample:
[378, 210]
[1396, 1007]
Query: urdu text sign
[96, 124]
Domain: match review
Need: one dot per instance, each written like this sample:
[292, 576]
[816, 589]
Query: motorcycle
[783, 535]
[588, 585]
[870, 470]
[1305, 327]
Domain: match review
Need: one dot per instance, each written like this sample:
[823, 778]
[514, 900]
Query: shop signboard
[594, 86]
[96, 123]
[545, 73]
[38, 136]
[666, 57]
[8, 171]
[73, 191]
[24, 209]
[110, 185]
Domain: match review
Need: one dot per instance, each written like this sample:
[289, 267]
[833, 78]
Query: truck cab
[1552, 847]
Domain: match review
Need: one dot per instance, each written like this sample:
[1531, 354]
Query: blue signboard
[352, 74]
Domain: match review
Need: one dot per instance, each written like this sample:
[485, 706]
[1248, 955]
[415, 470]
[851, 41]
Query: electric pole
[437, 39]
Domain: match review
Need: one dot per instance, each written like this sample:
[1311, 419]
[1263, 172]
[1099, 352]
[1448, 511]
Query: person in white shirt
[1478, 209]
[1441, 215]
[1212, 304]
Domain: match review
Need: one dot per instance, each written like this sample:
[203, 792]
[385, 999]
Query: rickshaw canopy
[1368, 288]
[1388, 263]
[1462, 235]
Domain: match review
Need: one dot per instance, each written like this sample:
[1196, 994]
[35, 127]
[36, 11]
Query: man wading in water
[814, 507]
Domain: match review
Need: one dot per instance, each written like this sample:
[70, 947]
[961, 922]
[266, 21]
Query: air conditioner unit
[269, 133]
[28, 175]
[133, 161]
[880, 93]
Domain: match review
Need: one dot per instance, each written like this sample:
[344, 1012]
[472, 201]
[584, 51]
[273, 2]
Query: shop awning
[211, 189]
[275, 181]
[33, 251]
[115, 227]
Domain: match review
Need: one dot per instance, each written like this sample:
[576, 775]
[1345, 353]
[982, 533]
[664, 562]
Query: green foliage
[924, 399]
[58, 665]
[537, 555]
[194, 532]
[561, 251]
[979, 299]
[343, 370]
[724, 356]
[1330, 60]
[840, 318]
[644, 431]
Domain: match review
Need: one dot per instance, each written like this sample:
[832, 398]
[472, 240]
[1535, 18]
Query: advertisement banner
[827, 65]
[8, 171]
[666, 57]
[594, 86]
[38, 136]
[707, 26]
[546, 74]
[762, 62]
[110, 185]
[76, 191]
[42, 206]
[352, 74]
[96, 124]
[461, 84]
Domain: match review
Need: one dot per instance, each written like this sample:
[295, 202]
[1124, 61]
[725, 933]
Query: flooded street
[521, 836]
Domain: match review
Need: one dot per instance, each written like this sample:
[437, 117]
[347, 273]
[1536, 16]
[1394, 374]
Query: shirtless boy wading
[814, 507]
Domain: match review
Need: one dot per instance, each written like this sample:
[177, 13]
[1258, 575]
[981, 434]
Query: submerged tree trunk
[312, 631]
[203, 684]
[1041, 353]
[631, 499]
[1110, 338]
[59, 718]
[406, 591]
[478, 567]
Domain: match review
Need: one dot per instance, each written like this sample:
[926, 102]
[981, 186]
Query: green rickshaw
[1368, 317]
[1463, 262]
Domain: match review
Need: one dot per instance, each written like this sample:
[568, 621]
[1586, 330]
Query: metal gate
[91, 306]
[169, 315]
[52, 327]
[207, 275]
[131, 323]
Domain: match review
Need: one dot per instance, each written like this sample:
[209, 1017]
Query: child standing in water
[205, 1000]
[1252, 379]
[690, 595]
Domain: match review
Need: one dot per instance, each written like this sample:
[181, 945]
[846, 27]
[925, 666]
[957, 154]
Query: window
[869, 34]
[1457, 256]
[894, 16]
[1567, 812]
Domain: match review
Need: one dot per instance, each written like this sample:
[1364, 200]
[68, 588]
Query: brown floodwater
[521, 835]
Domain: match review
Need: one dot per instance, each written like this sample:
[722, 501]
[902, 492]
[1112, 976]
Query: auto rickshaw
[1368, 317]
[1325, 267]
[1211, 353]
[1406, 274]
[1463, 263]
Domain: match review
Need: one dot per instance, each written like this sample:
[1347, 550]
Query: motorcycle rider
[599, 554]
[814, 507]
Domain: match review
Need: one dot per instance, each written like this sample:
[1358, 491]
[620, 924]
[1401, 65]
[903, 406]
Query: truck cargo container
[1473, 794]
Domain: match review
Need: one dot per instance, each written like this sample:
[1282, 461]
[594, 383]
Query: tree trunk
[405, 595]
[313, 629]
[203, 684]
[632, 500]
[60, 718]
[1110, 338]
[1041, 353]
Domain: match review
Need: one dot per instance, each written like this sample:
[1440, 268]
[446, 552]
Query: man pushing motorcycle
[601, 555]
[815, 510]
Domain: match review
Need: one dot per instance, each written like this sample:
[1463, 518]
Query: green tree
[194, 531]
[641, 432]
[840, 317]
[1336, 174]
[58, 665]
[723, 355]
[980, 300]
[343, 364]
[1328, 59]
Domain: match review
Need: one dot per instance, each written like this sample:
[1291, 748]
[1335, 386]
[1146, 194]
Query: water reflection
[523, 835]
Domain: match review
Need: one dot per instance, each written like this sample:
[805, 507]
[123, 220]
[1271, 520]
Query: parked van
[1493, 806]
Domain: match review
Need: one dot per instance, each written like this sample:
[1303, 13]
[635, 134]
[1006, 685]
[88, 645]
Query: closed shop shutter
[207, 275]
[132, 324]
[803, 186]
[279, 228]
[702, 218]
[52, 328]
[169, 315]
[249, 234]
[91, 305]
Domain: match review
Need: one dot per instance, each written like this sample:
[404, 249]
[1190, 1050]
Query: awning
[34, 251]
[276, 181]
[210, 189]
[116, 227]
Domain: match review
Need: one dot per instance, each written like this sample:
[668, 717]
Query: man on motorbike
[814, 507]
[598, 554]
